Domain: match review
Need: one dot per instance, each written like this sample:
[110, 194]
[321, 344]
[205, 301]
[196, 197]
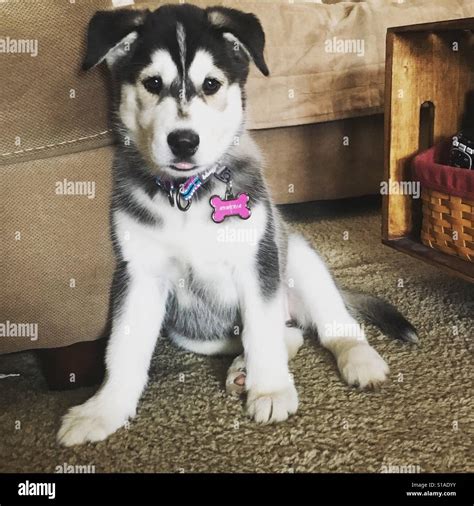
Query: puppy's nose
[183, 143]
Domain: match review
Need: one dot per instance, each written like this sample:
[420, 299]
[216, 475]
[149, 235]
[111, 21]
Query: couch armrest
[45, 102]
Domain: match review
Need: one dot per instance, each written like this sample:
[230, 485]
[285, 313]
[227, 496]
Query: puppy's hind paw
[236, 376]
[361, 366]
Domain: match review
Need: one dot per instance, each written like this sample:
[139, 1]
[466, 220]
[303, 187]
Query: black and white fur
[174, 276]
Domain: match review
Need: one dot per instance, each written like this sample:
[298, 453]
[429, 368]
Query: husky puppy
[202, 254]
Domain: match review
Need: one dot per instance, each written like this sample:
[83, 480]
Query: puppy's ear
[246, 28]
[110, 34]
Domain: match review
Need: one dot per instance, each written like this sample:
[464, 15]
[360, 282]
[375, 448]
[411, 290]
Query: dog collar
[184, 192]
[223, 207]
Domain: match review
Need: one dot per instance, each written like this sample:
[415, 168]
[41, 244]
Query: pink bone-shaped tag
[231, 207]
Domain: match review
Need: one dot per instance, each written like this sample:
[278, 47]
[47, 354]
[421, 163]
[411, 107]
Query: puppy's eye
[210, 86]
[153, 84]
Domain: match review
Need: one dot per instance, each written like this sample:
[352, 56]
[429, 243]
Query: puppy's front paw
[360, 365]
[92, 422]
[272, 407]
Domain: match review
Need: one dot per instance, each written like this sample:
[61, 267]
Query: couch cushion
[56, 255]
[47, 105]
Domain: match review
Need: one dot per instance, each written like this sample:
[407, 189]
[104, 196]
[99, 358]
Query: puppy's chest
[204, 255]
[192, 236]
[190, 241]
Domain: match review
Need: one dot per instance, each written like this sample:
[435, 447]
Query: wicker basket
[448, 223]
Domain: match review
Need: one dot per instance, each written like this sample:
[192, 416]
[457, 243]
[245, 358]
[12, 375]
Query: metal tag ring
[179, 199]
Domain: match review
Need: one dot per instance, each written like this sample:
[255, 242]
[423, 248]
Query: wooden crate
[429, 71]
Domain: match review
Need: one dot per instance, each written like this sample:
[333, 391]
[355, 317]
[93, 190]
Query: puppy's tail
[382, 314]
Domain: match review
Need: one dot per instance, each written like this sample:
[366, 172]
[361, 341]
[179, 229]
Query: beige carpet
[420, 418]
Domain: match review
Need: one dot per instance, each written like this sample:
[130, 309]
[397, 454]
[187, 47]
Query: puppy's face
[180, 73]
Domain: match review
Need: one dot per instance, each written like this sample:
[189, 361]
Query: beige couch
[318, 120]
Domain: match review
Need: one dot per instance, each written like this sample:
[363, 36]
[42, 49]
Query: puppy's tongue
[183, 165]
